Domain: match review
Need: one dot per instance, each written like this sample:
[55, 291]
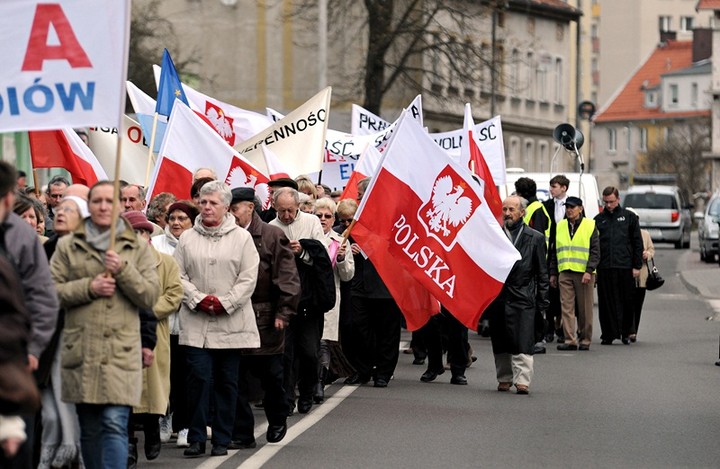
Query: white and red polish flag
[365, 167]
[431, 217]
[470, 152]
[275, 168]
[190, 144]
[234, 124]
[65, 149]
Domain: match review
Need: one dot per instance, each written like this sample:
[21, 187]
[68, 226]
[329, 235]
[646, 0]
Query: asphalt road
[653, 404]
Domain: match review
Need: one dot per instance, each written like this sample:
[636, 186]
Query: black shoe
[717, 363]
[304, 405]
[238, 444]
[196, 449]
[584, 347]
[276, 433]
[429, 375]
[606, 342]
[357, 379]
[132, 454]
[549, 337]
[625, 341]
[380, 383]
[458, 379]
[219, 450]
[539, 350]
[319, 393]
[152, 450]
[567, 347]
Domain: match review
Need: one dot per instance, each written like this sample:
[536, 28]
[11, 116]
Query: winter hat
[81, 203]
[138, 221]
[190, 210]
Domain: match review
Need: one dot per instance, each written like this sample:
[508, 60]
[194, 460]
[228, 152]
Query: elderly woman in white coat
[218, 267]
[344, 269]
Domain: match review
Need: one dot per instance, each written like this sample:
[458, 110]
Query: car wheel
[679, 244]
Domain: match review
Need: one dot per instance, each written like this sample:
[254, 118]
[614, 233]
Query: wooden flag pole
[116, 196]
[36, 180]
[150, 150]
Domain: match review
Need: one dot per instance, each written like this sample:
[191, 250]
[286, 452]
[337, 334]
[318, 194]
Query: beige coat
[222, 262]
[649, 249]
[343, 271]
[156, 378]
[101, 360]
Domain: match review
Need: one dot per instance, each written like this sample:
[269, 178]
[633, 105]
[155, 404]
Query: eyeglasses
[324, 215]
[180, 219]
[346, 221]
[66, 210]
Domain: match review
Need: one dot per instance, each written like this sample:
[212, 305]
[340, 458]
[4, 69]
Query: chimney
[702, 44]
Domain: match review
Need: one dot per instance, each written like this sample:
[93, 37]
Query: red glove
[205, 304]
[217, 307]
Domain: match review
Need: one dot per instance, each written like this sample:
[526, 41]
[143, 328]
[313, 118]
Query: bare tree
[424, 45]
[150, 33]
[682, 154]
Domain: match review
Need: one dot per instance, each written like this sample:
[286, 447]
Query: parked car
[707, 222]
[663, 212]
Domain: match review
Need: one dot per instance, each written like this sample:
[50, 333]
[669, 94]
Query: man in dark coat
[275, 301]
[621, 250]
[512, 314]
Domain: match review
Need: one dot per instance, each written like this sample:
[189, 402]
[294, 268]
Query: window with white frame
[674, 94]
[628, 138]
[686, 23]
[558, 81]
[643, 138]
[665, 23]
[694, 94]
[612, 139]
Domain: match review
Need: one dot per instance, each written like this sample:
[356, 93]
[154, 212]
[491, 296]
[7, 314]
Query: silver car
[663, 212]
[708, 229]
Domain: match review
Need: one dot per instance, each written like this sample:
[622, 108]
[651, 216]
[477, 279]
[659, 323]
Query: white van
[584, 187]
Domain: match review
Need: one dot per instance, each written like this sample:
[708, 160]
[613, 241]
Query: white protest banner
[64, 63]
[489, 137]
[103, 142]
[297, 139]
[364, 122]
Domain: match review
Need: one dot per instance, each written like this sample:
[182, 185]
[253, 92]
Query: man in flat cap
[274, 301]
[270, 213]
[573, 259]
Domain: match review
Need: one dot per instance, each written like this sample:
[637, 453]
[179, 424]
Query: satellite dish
[569, 137]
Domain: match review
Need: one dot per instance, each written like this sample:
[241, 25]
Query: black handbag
[654, 280]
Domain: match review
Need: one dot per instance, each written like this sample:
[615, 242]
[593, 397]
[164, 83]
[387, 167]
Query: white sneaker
[165, 428]
[182, 439]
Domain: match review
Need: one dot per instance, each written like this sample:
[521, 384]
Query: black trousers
[302, 355]
[376, 323]
[444, 332]
[616, 303]
[269, 370]
[178, 384]
[554, 312]
[637, 310]
[212, 372]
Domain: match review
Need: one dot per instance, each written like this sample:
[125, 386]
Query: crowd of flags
[430, 221]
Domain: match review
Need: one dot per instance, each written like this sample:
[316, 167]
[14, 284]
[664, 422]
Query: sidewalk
[703, 279]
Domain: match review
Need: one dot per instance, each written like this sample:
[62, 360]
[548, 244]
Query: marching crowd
[179, 316]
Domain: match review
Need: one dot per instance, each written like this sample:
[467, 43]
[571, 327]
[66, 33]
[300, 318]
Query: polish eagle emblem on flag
[451, 205]
[221, 122]
[237, 177]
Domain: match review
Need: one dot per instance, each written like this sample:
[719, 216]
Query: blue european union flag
[170, 87]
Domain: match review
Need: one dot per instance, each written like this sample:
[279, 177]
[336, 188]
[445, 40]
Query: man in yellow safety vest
[573, 260]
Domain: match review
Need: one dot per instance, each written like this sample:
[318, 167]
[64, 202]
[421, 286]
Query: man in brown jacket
[274, 301]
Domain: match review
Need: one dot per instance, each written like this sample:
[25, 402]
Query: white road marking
[269, 450]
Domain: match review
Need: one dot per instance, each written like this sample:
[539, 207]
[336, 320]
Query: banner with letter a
[431, 217]
[64, 63]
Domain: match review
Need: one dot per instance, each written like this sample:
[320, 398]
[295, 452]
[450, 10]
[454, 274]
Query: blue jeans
[104, 435]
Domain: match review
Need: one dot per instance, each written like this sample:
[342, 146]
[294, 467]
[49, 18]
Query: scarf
[100, 240]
